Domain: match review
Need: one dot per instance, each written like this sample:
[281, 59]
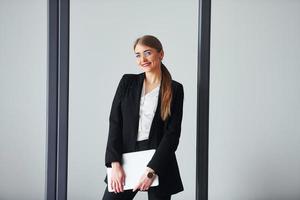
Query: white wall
[23, 73]
[102, 34]
[254, 138]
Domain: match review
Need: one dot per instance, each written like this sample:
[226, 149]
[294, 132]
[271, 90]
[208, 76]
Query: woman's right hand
[117, 177]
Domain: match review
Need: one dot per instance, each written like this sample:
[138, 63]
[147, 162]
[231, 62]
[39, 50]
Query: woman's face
[148, 58]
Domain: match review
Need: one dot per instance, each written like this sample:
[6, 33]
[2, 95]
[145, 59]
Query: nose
[143, 58]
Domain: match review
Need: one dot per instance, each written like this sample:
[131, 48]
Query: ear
[161, 54]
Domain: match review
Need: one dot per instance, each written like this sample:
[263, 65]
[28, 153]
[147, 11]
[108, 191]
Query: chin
[146, 69]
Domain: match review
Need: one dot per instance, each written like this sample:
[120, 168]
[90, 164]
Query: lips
[146, 64]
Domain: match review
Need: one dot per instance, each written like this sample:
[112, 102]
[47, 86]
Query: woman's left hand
[145, 182]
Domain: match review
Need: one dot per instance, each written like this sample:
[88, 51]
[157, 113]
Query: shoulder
[176, 83]
[130, 77]
[127, 79]
[177, 86]
[178, 93]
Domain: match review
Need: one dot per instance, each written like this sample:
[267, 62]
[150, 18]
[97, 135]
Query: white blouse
[148, 107]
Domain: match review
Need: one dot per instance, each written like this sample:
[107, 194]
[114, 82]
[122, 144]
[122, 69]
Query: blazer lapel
[137, 100]
[156, 116]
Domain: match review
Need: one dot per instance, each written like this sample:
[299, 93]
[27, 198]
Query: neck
[153, 77]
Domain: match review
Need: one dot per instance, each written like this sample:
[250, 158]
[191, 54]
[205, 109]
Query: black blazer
[164, 135]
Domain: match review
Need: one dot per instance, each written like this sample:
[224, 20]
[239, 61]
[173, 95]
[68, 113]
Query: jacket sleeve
[172, 130]
[114, 142]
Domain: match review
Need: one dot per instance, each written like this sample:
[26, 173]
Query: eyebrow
[143, 51]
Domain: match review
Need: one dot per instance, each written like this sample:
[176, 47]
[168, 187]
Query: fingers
[117, 186]
[123, 180]
[137, 187]
[113, 186]
[146, 184]
[118, 180]
[143, 185]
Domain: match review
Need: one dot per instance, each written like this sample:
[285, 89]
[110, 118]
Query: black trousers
[128, 194]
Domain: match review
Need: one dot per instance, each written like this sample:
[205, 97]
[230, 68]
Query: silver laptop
[134, 165]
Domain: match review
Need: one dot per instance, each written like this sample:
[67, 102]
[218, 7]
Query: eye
[137, 55]
[147, 53]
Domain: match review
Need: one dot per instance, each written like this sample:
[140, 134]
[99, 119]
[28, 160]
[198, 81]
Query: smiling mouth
[146, 64]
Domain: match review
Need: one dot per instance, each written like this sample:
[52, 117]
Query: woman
[146, 113]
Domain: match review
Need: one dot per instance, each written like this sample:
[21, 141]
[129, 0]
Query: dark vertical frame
[52, 107]
[57, 99]
[203, 99]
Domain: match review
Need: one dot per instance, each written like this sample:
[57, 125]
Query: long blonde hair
[166, 79]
